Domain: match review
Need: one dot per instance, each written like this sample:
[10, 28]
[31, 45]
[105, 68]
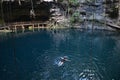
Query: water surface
[94, 55]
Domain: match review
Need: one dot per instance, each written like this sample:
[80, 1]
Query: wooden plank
[114, 26]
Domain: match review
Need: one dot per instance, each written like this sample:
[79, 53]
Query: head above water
[64, 58]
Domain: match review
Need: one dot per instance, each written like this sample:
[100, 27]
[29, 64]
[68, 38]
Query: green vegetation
[1, 21]
[74, 2]
[75, 17]
[60, 0]
[74, 14]
[91, 0]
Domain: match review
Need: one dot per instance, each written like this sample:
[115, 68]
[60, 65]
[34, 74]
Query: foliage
[1, 21]
[60, 0]
[76, 14]
[90, 1]
[74, 2]
[75, 17]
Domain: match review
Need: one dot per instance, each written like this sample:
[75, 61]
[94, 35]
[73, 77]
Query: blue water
[93, 55]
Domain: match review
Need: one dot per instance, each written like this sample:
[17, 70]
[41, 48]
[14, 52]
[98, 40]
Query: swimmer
[62, 60]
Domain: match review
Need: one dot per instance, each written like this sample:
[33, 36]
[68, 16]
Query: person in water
[62, 60]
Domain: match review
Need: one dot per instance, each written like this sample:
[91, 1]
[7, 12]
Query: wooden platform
[112, 25]
[27, 24]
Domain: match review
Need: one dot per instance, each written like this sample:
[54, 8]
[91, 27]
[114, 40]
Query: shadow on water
[93, 55]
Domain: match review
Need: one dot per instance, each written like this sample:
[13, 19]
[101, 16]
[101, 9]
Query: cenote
[93, 55]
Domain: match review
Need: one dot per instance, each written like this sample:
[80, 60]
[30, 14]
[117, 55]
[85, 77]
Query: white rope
[32, 13]
[32, 4]
[19, 2]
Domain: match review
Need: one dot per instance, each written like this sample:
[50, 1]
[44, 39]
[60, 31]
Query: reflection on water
[93, 55]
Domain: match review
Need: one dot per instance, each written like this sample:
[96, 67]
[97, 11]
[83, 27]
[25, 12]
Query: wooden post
[8, 28]
[38, 27]
[15, 28]
[42, 26]
[33, 27]
[23, 28]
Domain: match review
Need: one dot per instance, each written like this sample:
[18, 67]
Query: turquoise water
[93, 55]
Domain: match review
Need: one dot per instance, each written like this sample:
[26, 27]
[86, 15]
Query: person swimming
[62, 60]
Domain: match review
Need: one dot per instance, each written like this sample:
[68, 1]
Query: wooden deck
[28, 25]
